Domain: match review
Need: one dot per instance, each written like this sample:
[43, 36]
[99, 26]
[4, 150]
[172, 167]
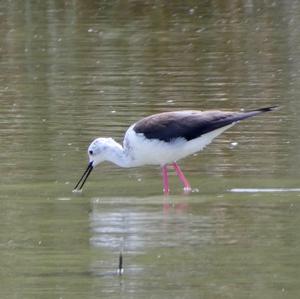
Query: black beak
[84, 177]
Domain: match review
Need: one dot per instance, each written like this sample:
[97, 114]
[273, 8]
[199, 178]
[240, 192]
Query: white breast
[155, 152]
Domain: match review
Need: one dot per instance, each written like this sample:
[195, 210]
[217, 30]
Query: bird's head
[98, 150]
[97, 153]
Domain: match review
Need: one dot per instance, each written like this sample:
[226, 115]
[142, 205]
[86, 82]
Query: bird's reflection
[171, 206]
[137, 224]
[141, 227]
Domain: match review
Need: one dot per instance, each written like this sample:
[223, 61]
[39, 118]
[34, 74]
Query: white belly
[155, 152]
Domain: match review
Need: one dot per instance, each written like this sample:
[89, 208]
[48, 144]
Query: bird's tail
[265, 109]
[237, 116]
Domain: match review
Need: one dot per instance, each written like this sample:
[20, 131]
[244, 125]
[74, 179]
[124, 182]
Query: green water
[75, 70]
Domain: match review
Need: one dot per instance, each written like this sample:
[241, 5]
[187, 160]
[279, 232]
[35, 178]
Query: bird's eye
[91, 152]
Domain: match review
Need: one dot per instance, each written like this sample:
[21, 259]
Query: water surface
[75, 70]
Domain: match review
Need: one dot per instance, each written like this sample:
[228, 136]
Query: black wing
[189, 124]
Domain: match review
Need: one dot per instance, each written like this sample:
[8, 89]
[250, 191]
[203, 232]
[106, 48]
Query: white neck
[117, 155]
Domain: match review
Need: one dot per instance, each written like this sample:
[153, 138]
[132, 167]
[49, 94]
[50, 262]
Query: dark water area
[72, 71]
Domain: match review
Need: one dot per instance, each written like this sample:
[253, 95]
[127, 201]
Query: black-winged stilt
[163, 139]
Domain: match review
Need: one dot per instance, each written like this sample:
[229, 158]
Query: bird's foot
[187, 189]
[166, 191]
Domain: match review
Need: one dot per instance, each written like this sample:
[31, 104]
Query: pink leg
[186, 184]
[165, 179]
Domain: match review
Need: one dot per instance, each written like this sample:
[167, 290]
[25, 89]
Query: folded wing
[189, 125]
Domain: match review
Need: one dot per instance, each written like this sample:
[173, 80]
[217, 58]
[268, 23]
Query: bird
[163, 139]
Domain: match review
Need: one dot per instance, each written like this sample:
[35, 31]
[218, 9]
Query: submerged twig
[120, 270]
